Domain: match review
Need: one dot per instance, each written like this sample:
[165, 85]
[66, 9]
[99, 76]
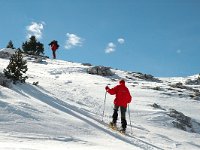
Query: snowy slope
[65, 111]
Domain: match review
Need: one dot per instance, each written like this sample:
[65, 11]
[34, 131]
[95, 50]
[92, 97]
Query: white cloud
[120, 40]
[73, 41]
[178, 51]
[110, 47]
[35, 29]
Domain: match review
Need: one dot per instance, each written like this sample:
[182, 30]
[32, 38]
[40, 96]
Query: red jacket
[54, 47]
[122, 94]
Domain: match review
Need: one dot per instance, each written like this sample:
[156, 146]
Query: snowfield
[64, 111]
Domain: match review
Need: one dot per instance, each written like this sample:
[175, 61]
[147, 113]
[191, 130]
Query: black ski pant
[123, 115]
[54, 54]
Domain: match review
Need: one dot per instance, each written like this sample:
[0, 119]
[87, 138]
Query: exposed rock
[181, 86]
[36, 83]
[156, 106]
[86, 64]
[168, 94]
[181, 121]
[158, 88]
[193, 82]
[146, 77]
[100, 70]
[179, 125]
[195, 96]
[129, 78]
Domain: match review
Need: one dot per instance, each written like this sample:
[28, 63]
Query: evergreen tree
[16, 68]
[33, 47]
[10, 45]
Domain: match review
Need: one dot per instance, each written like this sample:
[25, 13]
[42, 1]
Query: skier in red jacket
[122, 98]
[54, 46]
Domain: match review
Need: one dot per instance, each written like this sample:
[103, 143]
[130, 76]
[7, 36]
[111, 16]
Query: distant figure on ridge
[54, 46]
[122, 98]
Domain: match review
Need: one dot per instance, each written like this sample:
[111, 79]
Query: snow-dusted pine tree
[16, 68]
[33, 47]
[10, 45]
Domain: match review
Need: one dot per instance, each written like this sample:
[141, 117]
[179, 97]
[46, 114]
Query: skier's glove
[107, 88]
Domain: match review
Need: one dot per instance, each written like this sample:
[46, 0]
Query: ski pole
[130, 119]
[104, 105]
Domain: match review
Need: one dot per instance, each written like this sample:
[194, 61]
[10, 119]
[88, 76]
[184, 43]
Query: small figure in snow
[54, 46]
[122, 98]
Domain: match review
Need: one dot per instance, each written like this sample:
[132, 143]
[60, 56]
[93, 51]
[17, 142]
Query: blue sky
[158, 37]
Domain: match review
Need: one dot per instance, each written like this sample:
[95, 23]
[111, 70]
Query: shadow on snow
[33, 91]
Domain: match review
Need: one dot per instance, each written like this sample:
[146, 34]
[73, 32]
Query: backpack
[54, 45]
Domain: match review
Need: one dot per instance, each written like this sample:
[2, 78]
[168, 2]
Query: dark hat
[122, 81]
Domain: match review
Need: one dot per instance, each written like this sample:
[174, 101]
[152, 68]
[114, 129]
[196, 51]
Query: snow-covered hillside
[64, 111]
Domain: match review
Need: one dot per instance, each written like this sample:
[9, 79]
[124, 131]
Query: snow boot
[122, 130]
[113, 126]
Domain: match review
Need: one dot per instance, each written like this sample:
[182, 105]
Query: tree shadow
[15, 110]
[3, 96]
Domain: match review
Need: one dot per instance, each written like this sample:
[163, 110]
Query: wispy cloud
[178, 51]
[73, 41]
[120, 40]
[110, 47]
[35, 29]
